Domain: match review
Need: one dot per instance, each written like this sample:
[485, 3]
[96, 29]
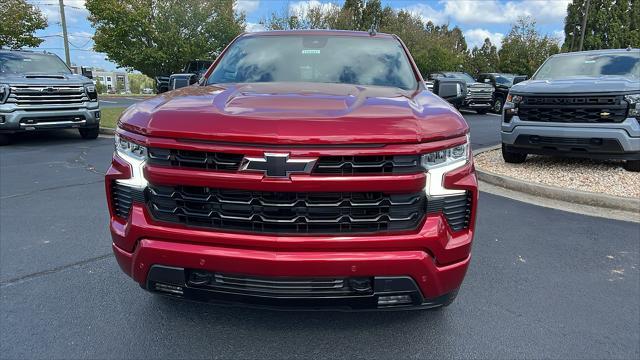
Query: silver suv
[39, 92]
[581, 104]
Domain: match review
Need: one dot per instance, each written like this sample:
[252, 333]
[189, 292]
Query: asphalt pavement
[542, 283]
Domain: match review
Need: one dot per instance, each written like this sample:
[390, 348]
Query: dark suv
[479, 96]
[501, 83]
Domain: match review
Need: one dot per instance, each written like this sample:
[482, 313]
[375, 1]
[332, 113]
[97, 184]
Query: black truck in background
[191, 73]
[478, 96]
[502, 83]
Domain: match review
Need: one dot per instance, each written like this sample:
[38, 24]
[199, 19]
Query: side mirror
[452, 90]
[177, 81]
[519, 79]
[86, 72]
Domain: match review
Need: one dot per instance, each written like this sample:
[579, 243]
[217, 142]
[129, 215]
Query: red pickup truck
[308, 169]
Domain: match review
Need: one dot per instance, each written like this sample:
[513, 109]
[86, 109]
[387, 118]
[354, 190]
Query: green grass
[109, 117]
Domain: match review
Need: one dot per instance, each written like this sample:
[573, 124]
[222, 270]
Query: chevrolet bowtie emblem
[278, 165]
[605, 114]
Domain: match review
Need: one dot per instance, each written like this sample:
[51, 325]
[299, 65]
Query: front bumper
[478, 103]
[434, 257]
[600, 140]
[13, 119]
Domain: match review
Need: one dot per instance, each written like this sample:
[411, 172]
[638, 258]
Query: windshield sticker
[311, 51]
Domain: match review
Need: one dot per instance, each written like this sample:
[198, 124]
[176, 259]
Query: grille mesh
[122, 198]
[287, 212]
[455, 208]
[577, 109]
[272, 286]
[326, 165]
[352, 165]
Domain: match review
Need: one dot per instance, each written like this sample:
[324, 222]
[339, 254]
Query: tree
[610, 24]
[18, 23]
[523, 49]
[100, 88]
[159, 37]
[483, 59]
[137, 82]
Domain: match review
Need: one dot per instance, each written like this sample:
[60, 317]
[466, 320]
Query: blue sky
[478, 19]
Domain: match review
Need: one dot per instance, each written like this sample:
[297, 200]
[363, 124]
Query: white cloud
[475, 37]
[427, 13]
[491, 11]
[74, 11]
[496, 12]
[558, 36]
[253, 27]
[301, 7]
[246, 6]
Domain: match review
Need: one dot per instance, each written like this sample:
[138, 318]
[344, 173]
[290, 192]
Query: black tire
[4, 139]
[89, 133]
[632, 165]
[512, 157]
[481, 111]
[497, 105]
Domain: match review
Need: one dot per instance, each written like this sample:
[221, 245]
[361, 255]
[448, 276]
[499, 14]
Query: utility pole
[583, 28]
[64, 33]
[573, 36]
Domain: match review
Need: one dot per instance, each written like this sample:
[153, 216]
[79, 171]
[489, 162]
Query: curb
[556, 193]
[107, 131]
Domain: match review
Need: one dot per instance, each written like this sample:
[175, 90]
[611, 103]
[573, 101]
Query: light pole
[583, 28]
[65, 38]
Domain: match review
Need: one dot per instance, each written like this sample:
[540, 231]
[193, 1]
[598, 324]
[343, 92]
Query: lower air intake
[455, 208]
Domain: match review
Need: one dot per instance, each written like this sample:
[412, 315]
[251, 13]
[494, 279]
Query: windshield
[625, 64]
[22, 63]
[505, 79]
[320, 59]
[461, 76]
[198, 66]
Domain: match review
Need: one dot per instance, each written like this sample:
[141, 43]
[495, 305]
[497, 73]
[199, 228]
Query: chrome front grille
[286, 212]
[480, 94]
[44, 95]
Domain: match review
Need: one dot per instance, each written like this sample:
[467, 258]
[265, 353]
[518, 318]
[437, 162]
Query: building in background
[113, 81]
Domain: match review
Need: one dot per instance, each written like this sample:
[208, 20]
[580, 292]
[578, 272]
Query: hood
[296, 113]
[46, 79]
[577, 85]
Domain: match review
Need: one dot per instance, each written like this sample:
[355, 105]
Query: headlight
[510, 108]
[91, 92]
[514, 99]
[4, 93]
[136, 156]
[634, 105]
[446, 157]
[440, 162]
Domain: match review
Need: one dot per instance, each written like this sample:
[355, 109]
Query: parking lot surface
[542, 283]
